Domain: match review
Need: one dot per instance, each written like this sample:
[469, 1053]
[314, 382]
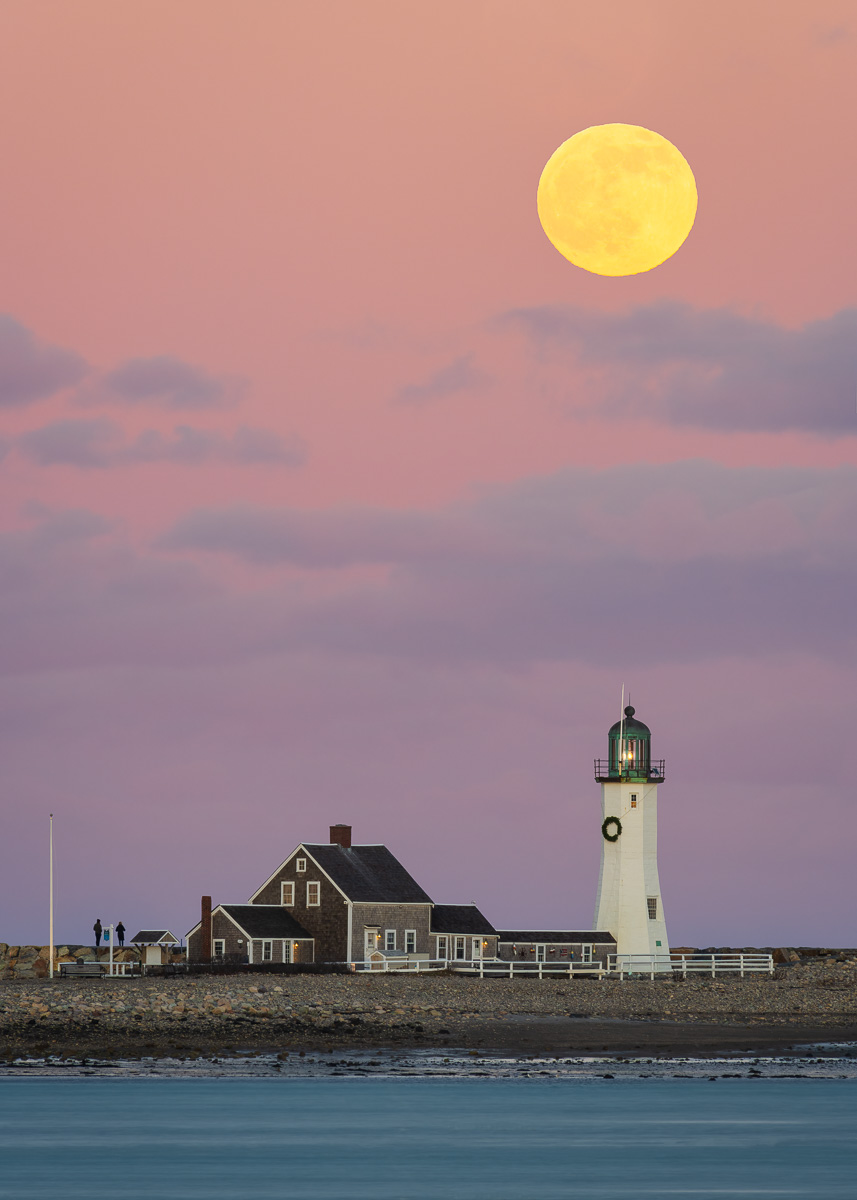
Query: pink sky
[331, 492]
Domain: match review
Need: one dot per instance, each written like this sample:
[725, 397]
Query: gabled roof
[563, 936]
[265, 921]
[367, 873]
[155, 936]
[459, 918]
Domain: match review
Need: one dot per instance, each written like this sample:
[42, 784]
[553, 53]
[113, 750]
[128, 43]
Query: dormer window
[300, 865]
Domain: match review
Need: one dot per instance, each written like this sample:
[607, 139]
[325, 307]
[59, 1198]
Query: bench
[81, 968]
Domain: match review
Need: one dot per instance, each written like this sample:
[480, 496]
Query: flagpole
[51, 890]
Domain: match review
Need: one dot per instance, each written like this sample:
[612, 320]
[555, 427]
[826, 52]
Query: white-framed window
[410, 941]
[443, 946]
[586, 954]
[219, 947]
[459, 947]
[389, 939]
[313, 895]
[633, 799]
[287, 894]
[476, 948]
[652, 903]
[300, 865]
[267, 951]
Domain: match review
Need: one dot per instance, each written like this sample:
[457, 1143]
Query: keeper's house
[337, 902]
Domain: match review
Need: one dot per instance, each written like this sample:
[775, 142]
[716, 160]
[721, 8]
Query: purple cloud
[100, 443]
[716, 368]
[457, 376]
[31, 369]
[170, 383]
[633, 565]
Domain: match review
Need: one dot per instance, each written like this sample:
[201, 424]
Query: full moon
[617, 199]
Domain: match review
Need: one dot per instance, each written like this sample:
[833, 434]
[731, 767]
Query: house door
[540, 954]
[371, 943]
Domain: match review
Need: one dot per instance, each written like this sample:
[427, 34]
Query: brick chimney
[340, 835]
[205, 931]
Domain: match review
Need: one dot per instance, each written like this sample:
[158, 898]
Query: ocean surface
[483, 1131]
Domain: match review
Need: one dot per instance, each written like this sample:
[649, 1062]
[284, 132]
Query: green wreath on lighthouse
[605, 829]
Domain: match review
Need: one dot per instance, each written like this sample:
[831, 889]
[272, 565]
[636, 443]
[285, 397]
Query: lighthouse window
[652, 902]
[633, 799]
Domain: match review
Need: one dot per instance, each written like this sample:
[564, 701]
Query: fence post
[684, 966]
[712, 966]
[652, 964]
[742, 966]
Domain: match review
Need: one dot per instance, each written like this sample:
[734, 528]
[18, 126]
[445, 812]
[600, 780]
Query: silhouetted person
[120, 933]
[96, 929]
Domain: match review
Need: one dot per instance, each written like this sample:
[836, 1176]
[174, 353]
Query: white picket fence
[508, 969]
[625, 966]
[634, 965]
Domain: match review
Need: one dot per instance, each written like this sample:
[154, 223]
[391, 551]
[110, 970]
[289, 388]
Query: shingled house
[337, 902]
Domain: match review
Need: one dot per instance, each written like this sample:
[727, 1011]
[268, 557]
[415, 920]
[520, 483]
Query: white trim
[284, 883]
[349, 949]
[318, 867]
[313, 883]
[411, 933]
[387, 933]
[300, 870]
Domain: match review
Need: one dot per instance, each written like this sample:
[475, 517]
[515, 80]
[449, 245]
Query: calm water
[411, 1139]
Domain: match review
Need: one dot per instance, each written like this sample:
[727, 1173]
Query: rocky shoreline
[811, 1001]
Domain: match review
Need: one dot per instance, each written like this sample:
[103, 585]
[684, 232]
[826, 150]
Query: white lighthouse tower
[629, 892]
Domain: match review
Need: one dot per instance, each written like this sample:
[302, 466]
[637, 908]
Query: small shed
[155, 945]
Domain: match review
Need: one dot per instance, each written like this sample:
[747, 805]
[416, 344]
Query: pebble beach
[811, 1001]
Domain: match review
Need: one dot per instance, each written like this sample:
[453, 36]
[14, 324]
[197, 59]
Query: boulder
[40, 967]
[28, 954]
[4, 949]
[12, 951]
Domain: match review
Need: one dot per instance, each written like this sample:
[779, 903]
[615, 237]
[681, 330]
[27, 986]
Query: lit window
[389, 939]
[301, 864]
[652, 902]
[287, 894]
[633, 799]
[411, 941]
[266, 951]
[313, 895]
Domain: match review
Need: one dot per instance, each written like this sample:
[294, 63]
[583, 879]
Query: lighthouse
[629, 902]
